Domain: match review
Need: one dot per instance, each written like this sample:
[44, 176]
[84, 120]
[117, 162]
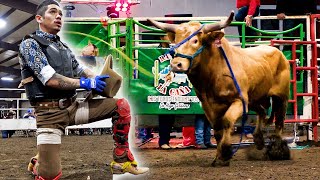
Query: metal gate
[311, 92]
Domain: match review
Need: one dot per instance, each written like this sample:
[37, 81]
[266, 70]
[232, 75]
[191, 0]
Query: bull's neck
[208, 65]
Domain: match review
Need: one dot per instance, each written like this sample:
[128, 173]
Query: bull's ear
[217, 35]
[212, 36]
[171, 36]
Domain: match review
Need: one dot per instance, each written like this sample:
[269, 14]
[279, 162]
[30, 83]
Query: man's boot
[123, 158]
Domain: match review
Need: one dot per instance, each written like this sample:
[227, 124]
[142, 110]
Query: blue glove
[96, 83]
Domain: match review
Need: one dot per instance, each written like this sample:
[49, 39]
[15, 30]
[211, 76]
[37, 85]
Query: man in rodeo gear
[49, 70]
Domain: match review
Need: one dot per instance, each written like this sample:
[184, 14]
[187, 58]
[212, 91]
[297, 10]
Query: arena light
[105, 2]
[7, 79]
[122, 5]
[3, 23]
[68, 9]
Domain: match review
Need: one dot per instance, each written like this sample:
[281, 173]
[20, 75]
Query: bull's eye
[195, 41]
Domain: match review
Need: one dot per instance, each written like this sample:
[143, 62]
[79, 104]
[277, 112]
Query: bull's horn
[217, 26]
[164, 26]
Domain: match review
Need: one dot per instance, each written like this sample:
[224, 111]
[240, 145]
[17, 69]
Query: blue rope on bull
[172, 50]
[244, 113]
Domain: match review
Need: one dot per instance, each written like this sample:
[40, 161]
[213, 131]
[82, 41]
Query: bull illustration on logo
[163, 78]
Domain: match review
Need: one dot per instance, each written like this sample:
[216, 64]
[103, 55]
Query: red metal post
[294, 76]
[314, 78]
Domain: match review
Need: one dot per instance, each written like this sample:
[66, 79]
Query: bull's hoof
[219, 163]
[226, 152]
[278, 149]
[226, 155]
[258, 140]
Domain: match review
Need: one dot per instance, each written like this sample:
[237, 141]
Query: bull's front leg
[224, 151]
[218, 133]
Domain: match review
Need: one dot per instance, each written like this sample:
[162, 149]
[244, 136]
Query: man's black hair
[41, 9]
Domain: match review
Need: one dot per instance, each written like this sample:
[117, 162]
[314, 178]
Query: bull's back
[267, 54]
[264, 66]
[263, 52]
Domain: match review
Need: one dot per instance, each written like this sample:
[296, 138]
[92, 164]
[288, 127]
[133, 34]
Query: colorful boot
[130, 167]
[32, 163]
[123, 158]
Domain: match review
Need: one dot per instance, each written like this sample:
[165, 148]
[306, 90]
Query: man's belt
[56, 103]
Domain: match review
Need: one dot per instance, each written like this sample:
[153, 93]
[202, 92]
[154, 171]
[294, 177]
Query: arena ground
[84, 156]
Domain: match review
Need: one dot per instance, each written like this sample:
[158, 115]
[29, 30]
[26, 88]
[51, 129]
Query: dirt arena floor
[84, 157]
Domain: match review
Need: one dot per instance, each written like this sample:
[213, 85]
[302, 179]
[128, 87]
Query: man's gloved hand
[96, 83]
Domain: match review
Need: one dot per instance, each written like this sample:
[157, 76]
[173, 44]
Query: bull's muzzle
[178, 67]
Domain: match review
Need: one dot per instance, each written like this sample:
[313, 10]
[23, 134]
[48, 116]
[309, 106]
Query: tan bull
[262, 72]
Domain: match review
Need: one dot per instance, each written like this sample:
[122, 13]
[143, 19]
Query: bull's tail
[279, 109]
[271, 118]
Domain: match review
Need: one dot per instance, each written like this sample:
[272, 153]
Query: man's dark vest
[60, 60]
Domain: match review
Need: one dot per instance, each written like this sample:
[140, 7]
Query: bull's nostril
[179, 65]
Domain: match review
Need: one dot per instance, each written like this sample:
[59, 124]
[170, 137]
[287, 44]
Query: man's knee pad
[123, 108]
[48, 136]
[82, 113]
[121, 127]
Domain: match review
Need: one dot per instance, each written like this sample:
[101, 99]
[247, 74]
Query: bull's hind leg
[278, 148]
[258, 133]
[224, 151]
[280, 113]
[279, 108]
